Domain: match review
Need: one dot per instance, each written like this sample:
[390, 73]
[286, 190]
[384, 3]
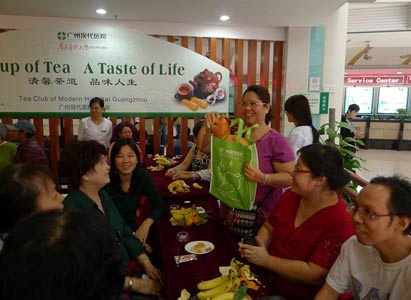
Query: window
[361, 96]
[392, 98]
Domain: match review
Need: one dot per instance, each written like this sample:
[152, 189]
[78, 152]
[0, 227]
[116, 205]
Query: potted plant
[331, 136]
[351, 160]
[402, 112]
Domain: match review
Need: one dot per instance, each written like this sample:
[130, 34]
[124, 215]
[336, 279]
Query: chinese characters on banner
[63, 68]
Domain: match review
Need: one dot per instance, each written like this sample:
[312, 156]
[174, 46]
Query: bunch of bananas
[185, 217]
[178, 186]
[219, 288]
[161, 162]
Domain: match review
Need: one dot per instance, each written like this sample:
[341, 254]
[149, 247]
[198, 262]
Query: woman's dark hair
[119, 127]
[264, 95]
[197, 127]
[66, 256]
[19, 189]
[400, 200]
[96, 100]
[299, 107]
[325, 160]
[80, 157]
[136, 175]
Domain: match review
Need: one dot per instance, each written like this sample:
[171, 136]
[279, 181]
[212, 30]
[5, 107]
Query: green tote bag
[228, 182]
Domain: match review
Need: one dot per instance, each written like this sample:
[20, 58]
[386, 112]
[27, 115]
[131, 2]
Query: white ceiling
[386, 29]
[272, 13]
[367, 22]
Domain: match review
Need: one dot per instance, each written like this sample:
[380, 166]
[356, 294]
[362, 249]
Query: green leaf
[330, 136]
[345, 125]
[240, 293]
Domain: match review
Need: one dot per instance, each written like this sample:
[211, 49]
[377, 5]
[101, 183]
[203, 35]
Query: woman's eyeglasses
[365, 214]
[253, 104]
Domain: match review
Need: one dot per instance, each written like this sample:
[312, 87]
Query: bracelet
[265, 179]
[130, 283]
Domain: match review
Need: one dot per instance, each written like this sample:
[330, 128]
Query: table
[187, 275]
[161, 182]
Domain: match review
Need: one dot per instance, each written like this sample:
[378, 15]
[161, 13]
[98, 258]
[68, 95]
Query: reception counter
[392, 134]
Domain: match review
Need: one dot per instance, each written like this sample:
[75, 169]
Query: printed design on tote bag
[230, 182]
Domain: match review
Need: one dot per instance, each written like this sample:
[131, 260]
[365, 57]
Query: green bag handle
[246, 131]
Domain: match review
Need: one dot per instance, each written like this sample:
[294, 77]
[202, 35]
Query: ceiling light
[101, 11]
[224, 18]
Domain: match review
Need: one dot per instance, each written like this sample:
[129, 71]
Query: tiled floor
[385, 163]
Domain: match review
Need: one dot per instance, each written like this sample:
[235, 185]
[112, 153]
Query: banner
[57, 71]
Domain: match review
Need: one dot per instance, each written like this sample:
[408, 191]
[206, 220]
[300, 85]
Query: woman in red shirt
[303, 235]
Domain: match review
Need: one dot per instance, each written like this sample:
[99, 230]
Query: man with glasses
[376, 262]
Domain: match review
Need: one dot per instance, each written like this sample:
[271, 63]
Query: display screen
[392, 98]
[361, 96]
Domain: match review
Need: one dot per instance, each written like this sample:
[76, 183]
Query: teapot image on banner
[205, 83]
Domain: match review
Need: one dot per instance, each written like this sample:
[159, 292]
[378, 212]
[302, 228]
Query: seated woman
[125, 130]
[130, 186]
[302, 236]
[56, 255]
[25, 189]
[88, 172]
[196, 165]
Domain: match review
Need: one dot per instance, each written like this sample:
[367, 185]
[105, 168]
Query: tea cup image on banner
[219, 94]
[184, 91]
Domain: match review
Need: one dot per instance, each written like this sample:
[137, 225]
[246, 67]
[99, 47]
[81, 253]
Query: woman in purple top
[275, 156]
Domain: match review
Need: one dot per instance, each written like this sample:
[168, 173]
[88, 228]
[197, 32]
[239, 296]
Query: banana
[197, 186]
[224, 296]
[178, 186]
[236, 284]
[212, 283]
[209, 294]
[181, 211]
[230, 282]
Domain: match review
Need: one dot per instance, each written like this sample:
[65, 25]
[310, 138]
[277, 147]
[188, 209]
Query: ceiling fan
[364, 53]
[406, 59]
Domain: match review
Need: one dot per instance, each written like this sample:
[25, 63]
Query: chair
[348, 191]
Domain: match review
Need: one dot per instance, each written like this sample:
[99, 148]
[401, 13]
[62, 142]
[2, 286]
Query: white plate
[199, 247]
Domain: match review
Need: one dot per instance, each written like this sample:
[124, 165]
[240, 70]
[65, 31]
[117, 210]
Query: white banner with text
[57, 71]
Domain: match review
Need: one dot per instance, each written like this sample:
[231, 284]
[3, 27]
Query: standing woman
[298, 112]
[130, 185]
[95, 127]
[275, 157]
[88, 172]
